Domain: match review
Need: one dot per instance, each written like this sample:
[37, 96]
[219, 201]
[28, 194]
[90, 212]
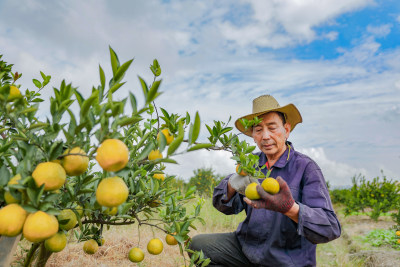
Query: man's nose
[266, 134]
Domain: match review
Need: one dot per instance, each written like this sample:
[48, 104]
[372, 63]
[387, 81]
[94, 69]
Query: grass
[119, 240]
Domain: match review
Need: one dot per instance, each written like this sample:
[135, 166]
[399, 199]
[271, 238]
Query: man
[281, 229]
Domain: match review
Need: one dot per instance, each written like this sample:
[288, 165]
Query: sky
[338, 61]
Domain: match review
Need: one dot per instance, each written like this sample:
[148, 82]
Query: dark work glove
[281, 202]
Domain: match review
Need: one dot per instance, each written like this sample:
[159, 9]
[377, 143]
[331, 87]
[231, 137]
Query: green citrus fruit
[136, 255]
[56, 243]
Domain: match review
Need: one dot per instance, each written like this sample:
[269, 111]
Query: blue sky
[336, 60]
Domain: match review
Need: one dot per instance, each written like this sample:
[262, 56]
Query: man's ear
[287, 127]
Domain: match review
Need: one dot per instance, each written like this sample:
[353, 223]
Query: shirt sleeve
[234, 206]
[317, 220]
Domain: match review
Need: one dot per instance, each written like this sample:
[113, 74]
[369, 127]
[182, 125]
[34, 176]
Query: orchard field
[85, 184]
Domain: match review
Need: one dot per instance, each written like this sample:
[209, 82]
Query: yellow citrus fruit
[398, 233]
[398, 241]
[167, 135]
[102, 241]
[242, 172]
[12, 219]
[51, 174]
[112, 192]
[136, 255]
[155, 154]
[75, 164]
[9, 198]
[159, 176]
[155, 246]
[251, 192]
[112, 155]
[270, 185]
[15, 93]
[39, 226]
[111, 211]
[15, 179]
[90, 246]
[69, 215]
[56, 243]
[171, 240]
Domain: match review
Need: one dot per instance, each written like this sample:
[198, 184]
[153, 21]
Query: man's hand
[239, 183]
[281, 202]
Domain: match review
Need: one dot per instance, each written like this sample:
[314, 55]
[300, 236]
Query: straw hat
[267, 103]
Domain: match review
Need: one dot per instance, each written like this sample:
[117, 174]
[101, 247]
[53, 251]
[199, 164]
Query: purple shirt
[269, 238]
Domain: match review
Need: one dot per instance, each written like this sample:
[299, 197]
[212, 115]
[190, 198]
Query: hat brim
[293, 117]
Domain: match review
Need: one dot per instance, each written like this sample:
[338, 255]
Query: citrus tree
[88, 164]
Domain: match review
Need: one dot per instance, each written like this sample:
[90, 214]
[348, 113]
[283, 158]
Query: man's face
[270, 135]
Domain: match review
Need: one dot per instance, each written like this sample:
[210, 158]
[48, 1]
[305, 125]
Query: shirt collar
[283, 160]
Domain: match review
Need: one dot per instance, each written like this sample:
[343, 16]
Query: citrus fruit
[111, 211]
[112, 155]
[398, 241]
[136, 255]
[51, 174]
[159, 176]
[69, 215]
[242, 172]
[251, 192]
[15, 93]
[15, 179]
[171, 240]
[167, 135]
[9, 198]
[102, 241]
[155, 246]
[90, 246]
[12, 218]
[398, 233]
[270, 185]
[112, 192]
[75, 164]
[56, 243]
[39, 226]
[155, 154]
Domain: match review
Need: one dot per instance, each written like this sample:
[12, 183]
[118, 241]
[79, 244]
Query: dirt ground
[354, 227]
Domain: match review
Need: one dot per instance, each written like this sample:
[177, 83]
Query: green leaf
[37, 83]
[115, 87]
[114, 61]
[87, 103]
[146, 151]
[133, 102]
[162, 141]
[144, 87]
[129, 120]
[196, 128]
[152, 94]
[199, 146]
[121, 71]
[177, 141]
[29, 208]
[102, 77]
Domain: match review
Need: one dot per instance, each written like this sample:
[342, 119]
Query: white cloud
[219, 161]
[280, 23]
[380, 31]
[337, 173]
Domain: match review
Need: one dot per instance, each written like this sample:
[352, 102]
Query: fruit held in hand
[270, 185]
[251, 192]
